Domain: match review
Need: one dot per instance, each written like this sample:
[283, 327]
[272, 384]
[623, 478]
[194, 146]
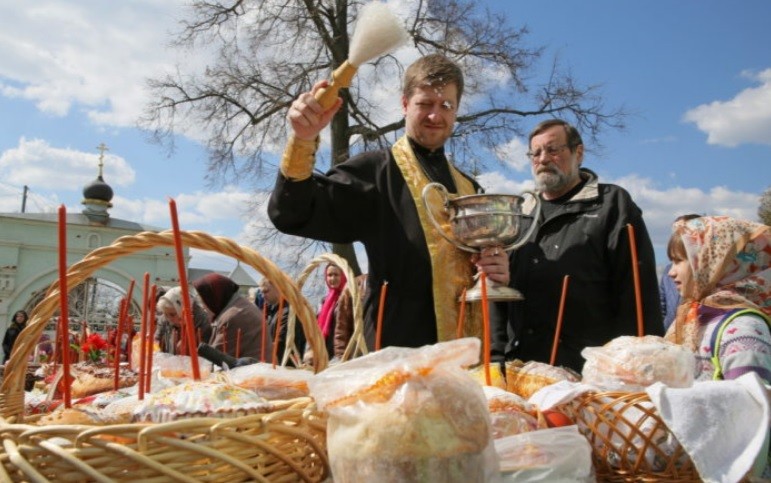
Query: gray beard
[551, 181]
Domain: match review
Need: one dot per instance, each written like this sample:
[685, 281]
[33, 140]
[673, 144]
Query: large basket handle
[12, 389]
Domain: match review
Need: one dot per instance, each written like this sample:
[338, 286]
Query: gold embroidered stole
[451, 269]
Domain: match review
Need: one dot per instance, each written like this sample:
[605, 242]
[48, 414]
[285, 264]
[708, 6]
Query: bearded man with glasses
[582, 232]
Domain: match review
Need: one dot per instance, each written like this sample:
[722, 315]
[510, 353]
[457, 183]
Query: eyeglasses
[550, 151]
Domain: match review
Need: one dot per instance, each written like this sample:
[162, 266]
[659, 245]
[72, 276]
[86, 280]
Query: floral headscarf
[731, 264]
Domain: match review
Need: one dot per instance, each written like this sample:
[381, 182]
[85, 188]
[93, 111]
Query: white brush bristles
[377, 32]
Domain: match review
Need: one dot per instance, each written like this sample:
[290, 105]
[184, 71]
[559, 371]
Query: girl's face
[334, 276]
[20, 317]
[682, 275]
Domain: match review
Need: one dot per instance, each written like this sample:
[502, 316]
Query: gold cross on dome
[102, 148]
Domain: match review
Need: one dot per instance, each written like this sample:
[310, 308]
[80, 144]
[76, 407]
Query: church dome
[98, 190]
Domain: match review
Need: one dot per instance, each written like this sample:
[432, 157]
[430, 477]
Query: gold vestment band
[299, 158]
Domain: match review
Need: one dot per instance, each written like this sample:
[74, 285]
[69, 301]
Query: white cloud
[37, 164]
[661, 207]
[514, 154]
[57, 53]
[744, 119]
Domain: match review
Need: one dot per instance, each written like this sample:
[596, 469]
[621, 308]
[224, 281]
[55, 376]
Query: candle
[560, 313]
[151, 336]
[636, 277]
[380, 310]
[188, 320]
[63, 311]
[118, 336]
[461, 314]
[485, 329]
[279, 323]
[143, 337]
[264, 330]
[238, 343]
[83, 338]
[129, 328]
[182, 342]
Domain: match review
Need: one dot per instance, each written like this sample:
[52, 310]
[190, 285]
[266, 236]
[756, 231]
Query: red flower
[96, 341]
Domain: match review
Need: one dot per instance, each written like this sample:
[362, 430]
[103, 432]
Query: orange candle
[485, 330]
[118, 336]
[64, 312]
[279, 323]
[143, 337]
[558, 329]
[264, 330]
[151, 336]
[238, 343]
[129, 328]
[461, 314]
[380, 309]
[636, 277]
[188, 320]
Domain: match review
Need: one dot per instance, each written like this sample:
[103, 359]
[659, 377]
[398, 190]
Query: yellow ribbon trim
[451, 269]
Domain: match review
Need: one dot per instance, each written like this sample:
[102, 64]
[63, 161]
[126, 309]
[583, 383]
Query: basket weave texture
[630, 442]
[357, 346]
[288, 444]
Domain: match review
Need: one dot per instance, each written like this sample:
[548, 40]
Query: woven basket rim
[611, 434]
[12, 389]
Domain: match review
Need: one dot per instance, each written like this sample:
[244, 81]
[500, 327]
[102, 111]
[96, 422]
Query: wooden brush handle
[341, 78]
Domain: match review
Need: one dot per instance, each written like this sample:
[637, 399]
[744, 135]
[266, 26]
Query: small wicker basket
[288, 444]
[357, 346]
[630, 442]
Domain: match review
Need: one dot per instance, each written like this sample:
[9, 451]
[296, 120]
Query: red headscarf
[216, 291]
[328, 307]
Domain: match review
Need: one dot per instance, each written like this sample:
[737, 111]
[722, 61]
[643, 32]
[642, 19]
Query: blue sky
[696, 75]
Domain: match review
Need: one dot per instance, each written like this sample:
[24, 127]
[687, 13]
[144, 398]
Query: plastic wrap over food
[179, 367]
[511, 414]
[269, 381]
[200, 399]
[554, 455]
[631, 363]
[408, 415]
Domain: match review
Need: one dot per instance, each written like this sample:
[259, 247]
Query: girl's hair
[676, 247]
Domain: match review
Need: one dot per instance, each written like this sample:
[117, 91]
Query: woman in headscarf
[336, 312]
[169, 334]
[232, 314]
[722, 269]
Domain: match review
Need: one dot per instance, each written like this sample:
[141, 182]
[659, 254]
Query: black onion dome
[98, 190]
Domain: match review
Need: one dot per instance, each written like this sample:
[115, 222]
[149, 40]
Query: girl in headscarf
[169, 334]
[720, 265]
[336, 311]
[232, 313]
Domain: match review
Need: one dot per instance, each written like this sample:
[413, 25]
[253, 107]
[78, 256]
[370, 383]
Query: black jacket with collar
[585, 237]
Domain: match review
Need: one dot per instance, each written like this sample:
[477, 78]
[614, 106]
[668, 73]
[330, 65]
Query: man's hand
[306, 115]
[494, 262]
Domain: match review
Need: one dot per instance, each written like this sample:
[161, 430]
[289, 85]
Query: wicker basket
[288, 444]
[630, 442]
[357, 346]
